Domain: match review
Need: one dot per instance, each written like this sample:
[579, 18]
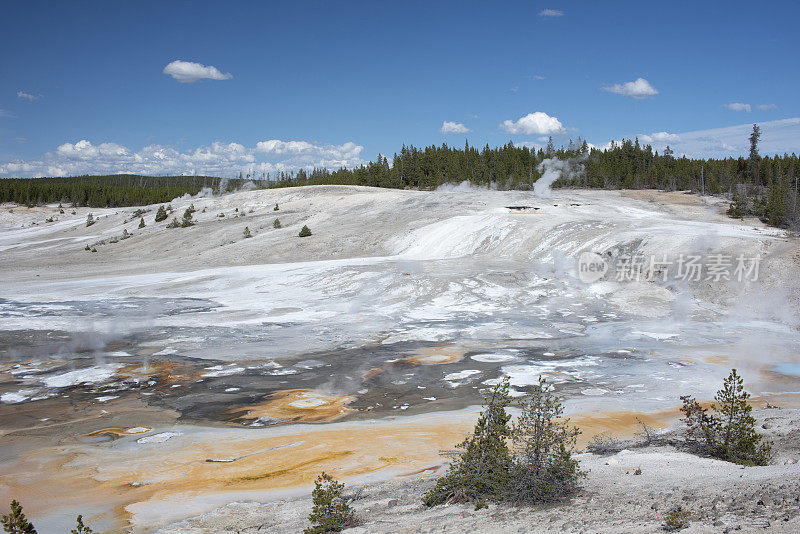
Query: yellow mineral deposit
[301, 406]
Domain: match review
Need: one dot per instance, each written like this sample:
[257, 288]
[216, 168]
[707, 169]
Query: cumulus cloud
[551, 13]
[764, 107]
[638, 89]
[189, 72]
[777, 137]
[27, 96]
[221, 159]
[452, 127]
[537, 123]
[738, 106]
[660, 137]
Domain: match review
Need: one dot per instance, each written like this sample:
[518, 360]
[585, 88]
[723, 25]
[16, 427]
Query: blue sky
[83, 86]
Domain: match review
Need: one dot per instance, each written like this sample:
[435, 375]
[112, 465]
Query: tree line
[108, 191]
[764, 187]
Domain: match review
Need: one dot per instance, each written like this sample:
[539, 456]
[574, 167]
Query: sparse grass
[676, 519]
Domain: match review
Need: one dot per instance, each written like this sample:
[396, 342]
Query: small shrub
[87, 248]
[48, 220]
[277, 223]
[94, 249]
[603, 444]
[175, 223]
[80, 528]
[141, 223]
[89, 220]
[247, 233]
[638, 471]
[647, 434]
[161, 214]
[305, 231]
[330, 513]
[16, 522]
[276, 208]
[676, 519]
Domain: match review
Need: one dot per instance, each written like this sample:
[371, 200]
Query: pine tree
[187, 218]
[247, 233]
[80, 528]
[305, 231]
[730, 433]
[16, 522]
[544, 469]
[754, 138]
[330, 513]
[161, 214]
[482, 471]
[89, 220]
[737, 439]
[276, 223]
[141, 223]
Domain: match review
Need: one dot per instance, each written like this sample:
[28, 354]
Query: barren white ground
[451, 267]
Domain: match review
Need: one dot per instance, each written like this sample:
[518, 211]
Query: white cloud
[188, 72]
[221, 159]
[551, 13]
[638, 89]
[738, 106]
[449, 127]
[777, 137]
[764, 107]
[27, 96]
[529, 144]
[538, 77]
[660, 137]
[537, 123]
[5, 113]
